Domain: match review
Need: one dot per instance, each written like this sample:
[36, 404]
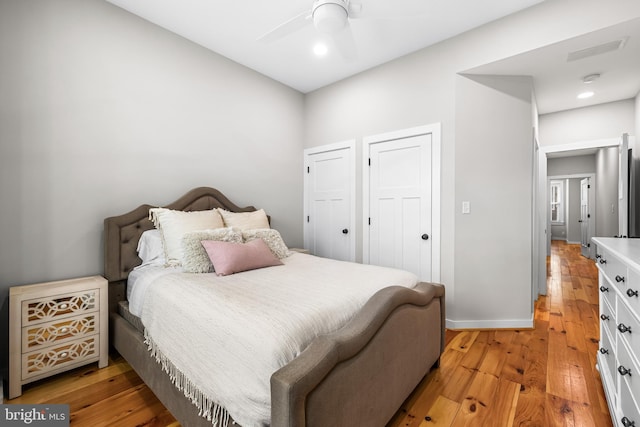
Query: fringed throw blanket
[221, 338]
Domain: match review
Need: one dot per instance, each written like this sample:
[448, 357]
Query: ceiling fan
[330, 17]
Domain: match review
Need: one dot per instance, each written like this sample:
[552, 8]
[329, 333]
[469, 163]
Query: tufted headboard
[121, 233]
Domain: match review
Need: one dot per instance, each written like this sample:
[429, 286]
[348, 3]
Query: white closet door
[400, 222]
[329, 214]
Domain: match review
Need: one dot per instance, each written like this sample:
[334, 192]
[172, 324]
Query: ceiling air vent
[596, 50]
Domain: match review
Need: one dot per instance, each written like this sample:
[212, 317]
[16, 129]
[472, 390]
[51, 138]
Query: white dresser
[54, 327]
[618, 262]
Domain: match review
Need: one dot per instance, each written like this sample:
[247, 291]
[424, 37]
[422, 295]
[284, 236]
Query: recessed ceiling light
[320, 49]
[585, 95]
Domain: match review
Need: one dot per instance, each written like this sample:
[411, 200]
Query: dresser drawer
[630, 289]
[607, 353]
[49, 359]
[611, 266]
[59, 331]
[607, 318]
[629, 411]
[628, 328]
[607, 293]
[44, 309]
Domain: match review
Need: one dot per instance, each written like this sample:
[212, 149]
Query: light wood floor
[540, 377]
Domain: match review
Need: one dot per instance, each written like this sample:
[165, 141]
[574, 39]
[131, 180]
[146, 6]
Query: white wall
[101, 111]
[420, 89]
[602, 121]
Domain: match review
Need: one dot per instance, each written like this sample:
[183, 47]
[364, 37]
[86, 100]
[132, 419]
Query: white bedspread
[221, 338]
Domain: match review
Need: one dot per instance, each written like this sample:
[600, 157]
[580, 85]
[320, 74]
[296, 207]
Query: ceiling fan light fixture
[330, 16]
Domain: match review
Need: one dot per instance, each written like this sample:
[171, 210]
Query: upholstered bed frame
[358, 375]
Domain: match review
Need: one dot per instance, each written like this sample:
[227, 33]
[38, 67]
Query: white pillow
[271, 237]
[174, 224]
[195, 258]
[150, 248]
[245, 220]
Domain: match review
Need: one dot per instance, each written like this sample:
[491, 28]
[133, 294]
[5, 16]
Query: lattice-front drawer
[55, 357]
[59, 306]
[59, 331]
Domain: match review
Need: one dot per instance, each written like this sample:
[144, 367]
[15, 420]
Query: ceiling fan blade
[346, 43]
[288, 27]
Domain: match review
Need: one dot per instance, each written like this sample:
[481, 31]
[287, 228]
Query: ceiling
[558, 81]
[388, 29]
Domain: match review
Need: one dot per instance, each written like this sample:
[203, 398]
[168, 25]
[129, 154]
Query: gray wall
[571, 165]
[101, 111]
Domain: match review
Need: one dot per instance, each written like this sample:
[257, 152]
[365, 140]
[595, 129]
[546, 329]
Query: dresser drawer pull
[623, 328]
[632, 293]
[626, 422]
[619, 278]
[604, 289]
[604, 317]
[624, 371]
[604, 350]
[603, 261]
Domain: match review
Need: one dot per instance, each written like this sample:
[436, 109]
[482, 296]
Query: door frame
[544, 234]
[592, 203]
[351, 146]
[435, 131]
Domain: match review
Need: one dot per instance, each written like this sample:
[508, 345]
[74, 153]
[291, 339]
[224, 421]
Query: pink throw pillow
[228, 257]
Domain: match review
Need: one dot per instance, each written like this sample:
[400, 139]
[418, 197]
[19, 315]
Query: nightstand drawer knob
[64, 306]
[63, 354]
[64, 330]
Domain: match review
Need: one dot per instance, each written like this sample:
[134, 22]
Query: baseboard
[491, 324]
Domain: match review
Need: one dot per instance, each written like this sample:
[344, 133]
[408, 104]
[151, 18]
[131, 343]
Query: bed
[359, 374]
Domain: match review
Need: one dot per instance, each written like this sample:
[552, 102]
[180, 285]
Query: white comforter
[221, 338]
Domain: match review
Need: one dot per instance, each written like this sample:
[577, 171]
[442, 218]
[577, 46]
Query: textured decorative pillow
[271, 237]
[245, 220]
[150, 248]
[194, 257]
[174, 224]
[228, 258]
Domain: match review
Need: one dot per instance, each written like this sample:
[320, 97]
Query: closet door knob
[345, 231]
[425, 236]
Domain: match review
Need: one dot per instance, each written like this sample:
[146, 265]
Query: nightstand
[56, 326]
